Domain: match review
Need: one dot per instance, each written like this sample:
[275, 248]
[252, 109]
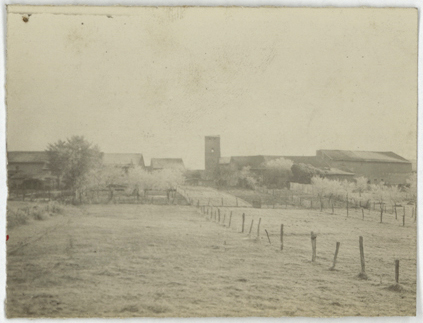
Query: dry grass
[143, 260]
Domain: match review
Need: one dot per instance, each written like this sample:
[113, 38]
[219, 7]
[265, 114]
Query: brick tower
[212, 154]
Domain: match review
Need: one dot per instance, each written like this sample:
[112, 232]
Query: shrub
[16, 218]
[37, 213]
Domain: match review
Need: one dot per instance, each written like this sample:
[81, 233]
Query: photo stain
[25, 19]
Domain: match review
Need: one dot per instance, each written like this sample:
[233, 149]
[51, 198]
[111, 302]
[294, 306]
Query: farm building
[167, 163]
[386, 167]
[124, 161]
[30, 169]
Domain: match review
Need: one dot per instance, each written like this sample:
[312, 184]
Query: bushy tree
[277, 172]
[303, 173]
[412, 186]
[248, 179]
[72, 160]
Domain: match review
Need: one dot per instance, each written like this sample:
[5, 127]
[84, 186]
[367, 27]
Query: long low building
[31, 168]
[376, 166]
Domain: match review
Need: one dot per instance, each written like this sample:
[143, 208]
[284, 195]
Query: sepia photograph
[197, 162]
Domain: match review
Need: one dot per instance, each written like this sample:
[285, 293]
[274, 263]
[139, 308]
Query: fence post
[258, 229]
[347, 204]
[251, 227]
[230, 219]
[218, 212]
[336, 256]
[381, 214]
[403, 220]
[224, 219]
[397, 271]
[281, 236]
[332, 208]
[268, 238]
[395, 212]
[313, 246]
[243, 221]
[363, 266]
[362, 213]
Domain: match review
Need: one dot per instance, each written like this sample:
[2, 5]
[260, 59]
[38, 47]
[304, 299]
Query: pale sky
[269, 81]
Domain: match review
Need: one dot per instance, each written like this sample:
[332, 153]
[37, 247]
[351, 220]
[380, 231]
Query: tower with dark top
[212, 154]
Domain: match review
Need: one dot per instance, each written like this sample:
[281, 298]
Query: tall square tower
[212, 153]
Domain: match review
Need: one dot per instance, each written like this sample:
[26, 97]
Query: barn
[167, 163]
[377, 166]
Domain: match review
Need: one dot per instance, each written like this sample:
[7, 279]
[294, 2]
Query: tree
[277, 172]
[72, 160]
[303, 173]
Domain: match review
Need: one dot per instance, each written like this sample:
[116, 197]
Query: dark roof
[364, 156]
[39, 157]
[308, 160]
[123, 159]
[168, 163]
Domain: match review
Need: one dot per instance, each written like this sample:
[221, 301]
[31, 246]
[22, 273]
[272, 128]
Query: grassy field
[156, 261]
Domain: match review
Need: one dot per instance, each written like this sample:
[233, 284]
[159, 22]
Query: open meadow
[179, 261]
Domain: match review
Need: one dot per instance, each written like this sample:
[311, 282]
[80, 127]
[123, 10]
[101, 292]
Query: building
[167, 163]
[124, 161]
[29, 169]
[376, 166]
[212, 155]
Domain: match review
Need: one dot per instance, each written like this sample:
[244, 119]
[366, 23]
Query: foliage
[277, 172]
[303, 173]
[412, 186]
[248, 179]
[72, 160]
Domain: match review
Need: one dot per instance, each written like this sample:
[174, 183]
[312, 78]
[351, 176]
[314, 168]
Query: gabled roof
[39, 157]
[364, 156]
[167, 163]
[112, 159]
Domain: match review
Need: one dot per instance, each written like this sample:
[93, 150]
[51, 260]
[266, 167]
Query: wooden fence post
[333, 211]
[362, 213]
[313, 246]
[336, 256]
[347, 204]
[363, 266]
[258, 229]
[381, 214]
[224, 219]
[268, 238]
[230, 219]
[281, 236]
[243, 221]
[403, 220]
[218, 211]
[397, 271]
[251, 227]
[396, 217]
